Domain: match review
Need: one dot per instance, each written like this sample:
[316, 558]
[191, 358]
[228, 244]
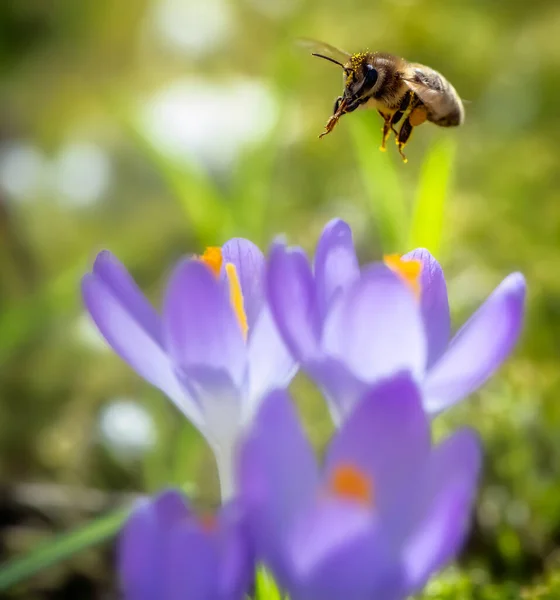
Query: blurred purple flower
[215, 351]
[349, 327]
[167, 552]
[386, 512]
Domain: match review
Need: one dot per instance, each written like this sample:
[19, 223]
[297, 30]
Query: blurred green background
[156, 127]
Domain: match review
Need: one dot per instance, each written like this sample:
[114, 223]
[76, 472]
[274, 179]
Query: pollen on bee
[212, 258]
[418, 116]
[408, 270]
[348, 482]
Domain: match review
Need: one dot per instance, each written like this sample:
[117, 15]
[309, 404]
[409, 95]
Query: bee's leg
[403, 136]
[337, 104]
[386, 130]
[334, 117]
[398, 115]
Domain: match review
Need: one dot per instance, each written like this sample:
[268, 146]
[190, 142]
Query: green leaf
[206, 209]
[61, 548]
[26, 318]
[427, 221]
[382, 180]
[265, 587]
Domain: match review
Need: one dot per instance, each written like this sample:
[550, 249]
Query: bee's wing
[433, 89]
[317, 47]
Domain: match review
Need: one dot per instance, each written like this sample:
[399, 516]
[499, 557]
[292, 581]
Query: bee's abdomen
[453, 118]
[442, 102]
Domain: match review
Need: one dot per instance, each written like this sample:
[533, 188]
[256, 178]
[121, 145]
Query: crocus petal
[434, 303]
[480, 346]
[376, 328]
[138, 554]
[271, 365]
[200, 326]
[134, 344]
[386, 437]
[142, 544]
[278, 475]
[443, 501]
[336, 265]
[167, 552]
[237, 567]
[220, 401]
[338, 550]
[292, 300]
[170, 507]
[192, 564]
[123, 287]
[250, 266]
[341, 388]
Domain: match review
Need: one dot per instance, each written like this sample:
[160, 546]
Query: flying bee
[402, 92]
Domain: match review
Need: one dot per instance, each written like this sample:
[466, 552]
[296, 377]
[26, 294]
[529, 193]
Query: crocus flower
[166, 552]
[386, 511]
[349, 327]
[214, 351]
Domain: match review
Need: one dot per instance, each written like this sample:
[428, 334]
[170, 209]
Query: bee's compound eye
[370, 76]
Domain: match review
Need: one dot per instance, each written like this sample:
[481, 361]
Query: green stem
[61, 548]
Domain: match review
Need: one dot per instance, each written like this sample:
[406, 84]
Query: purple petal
[386, 437]
[142, 543]
[443, 501]
[271, 365]
[222, 404]
[134, 344]
[112, 272]
[139, 557]
[237, 567]
[292, 300]
[376, 328]
[220, 401]
[341, 388]
[336, 265]
[250, 266]
[192, 564]
[170, 507]
[479, 348]
[278, 475]
[338, 551]
[200, 326]
[434, 303]
[204, 563]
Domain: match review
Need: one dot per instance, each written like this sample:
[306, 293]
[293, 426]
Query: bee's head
[361, 76]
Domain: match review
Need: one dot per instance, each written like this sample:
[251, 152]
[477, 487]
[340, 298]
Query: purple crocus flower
[215, 351]
[167, 552]
[349, 327]
[386, 511]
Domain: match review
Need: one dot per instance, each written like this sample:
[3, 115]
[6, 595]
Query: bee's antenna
[336, 62]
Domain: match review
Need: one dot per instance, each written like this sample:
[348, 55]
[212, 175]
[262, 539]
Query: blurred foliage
[93, 154]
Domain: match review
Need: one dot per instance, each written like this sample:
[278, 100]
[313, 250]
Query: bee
[401, 92]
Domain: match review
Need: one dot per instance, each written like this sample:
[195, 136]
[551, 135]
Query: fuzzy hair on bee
[405, 94]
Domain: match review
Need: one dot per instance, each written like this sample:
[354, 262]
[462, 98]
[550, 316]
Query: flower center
[236, 298]
[349, 483]
[213, 259]
[408, 270]
[208, 522]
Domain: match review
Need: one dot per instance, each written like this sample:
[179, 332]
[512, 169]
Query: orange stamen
[409, 271]
[212, 258]
[236, 298]
[350, 483]
[208, 522]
